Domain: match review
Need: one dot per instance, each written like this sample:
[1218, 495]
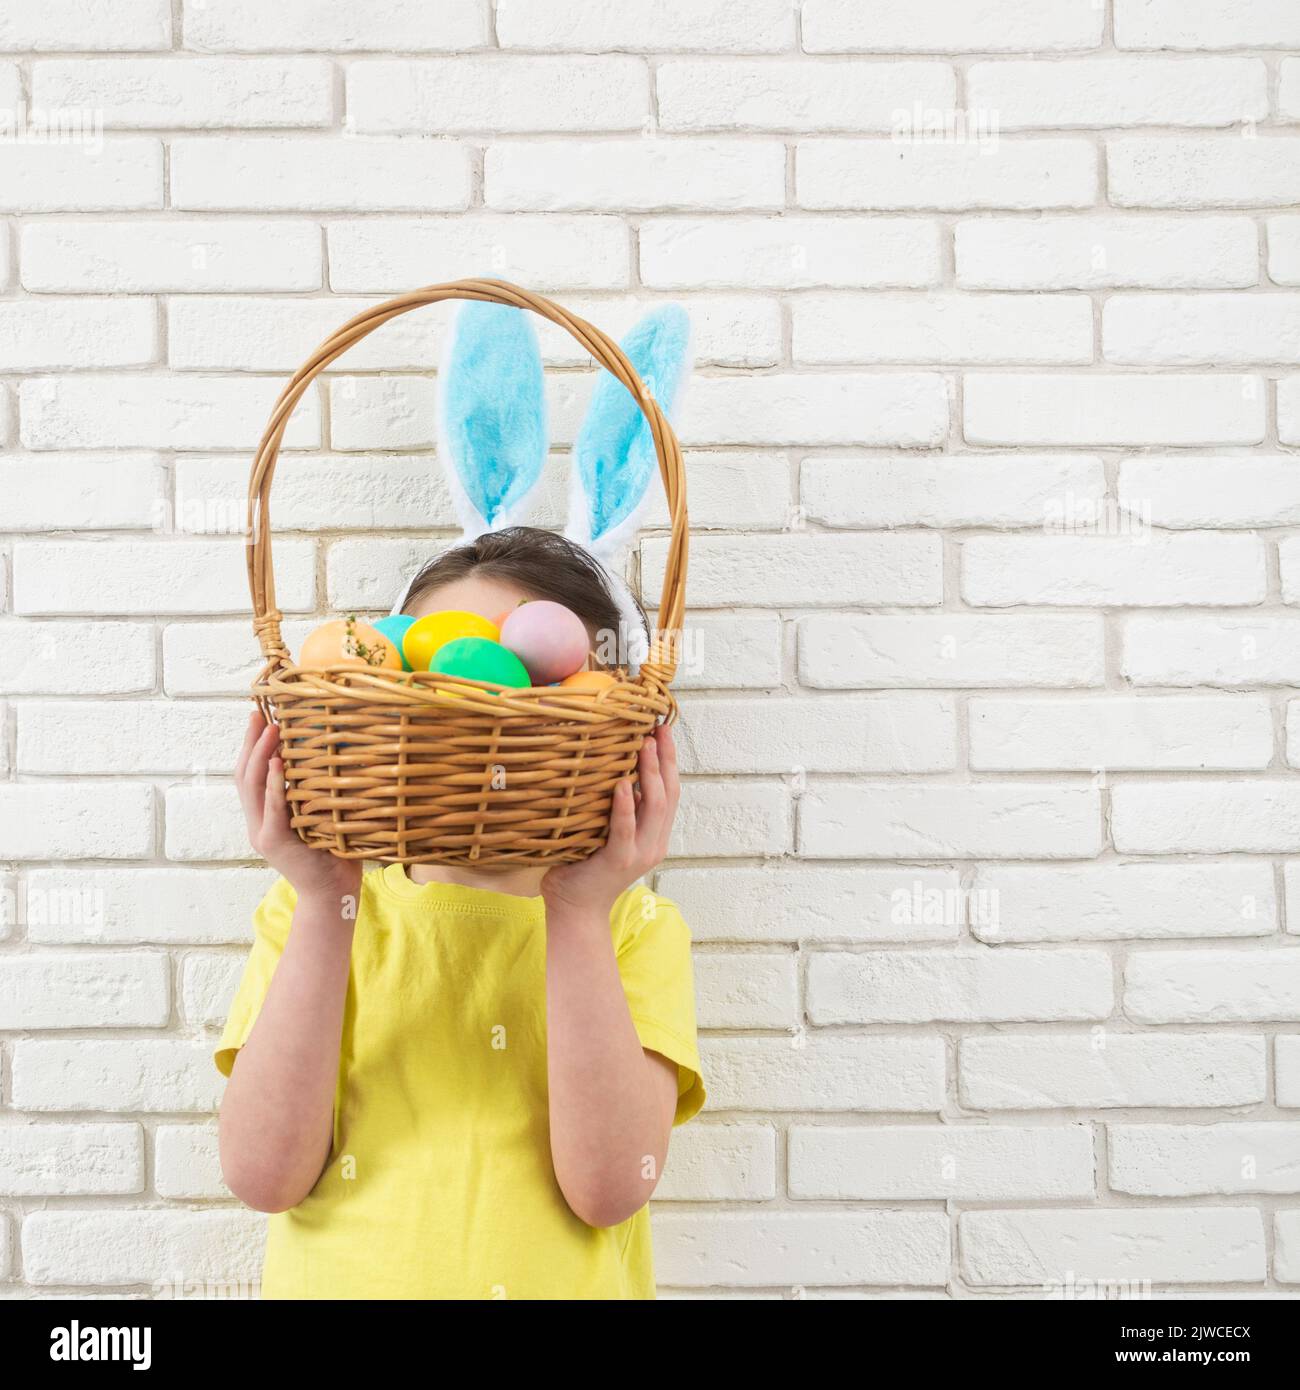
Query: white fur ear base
[634, 645]
[402, 597]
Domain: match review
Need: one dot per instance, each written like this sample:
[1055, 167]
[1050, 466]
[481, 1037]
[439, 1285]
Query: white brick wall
[991, 841]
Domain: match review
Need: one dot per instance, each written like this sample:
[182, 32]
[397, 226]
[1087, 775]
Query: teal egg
[394, 628]
[480, 659]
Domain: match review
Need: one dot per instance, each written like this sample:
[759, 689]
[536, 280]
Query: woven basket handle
[661, 661]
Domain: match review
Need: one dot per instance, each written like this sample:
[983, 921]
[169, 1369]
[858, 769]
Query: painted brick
[1164, 571]
[1194, 1160]
[895, 26]
[69, 492]
[858, 328]
[121, 990]
[1103, 252]
[1219, 651]
[1046, 1248]
[747, 991]
[1212, 986]
[1163, 171]
[816, 903]
[892, 174]
[143, 906]
[1114, 902]
[867, 1247]
[790, 252]
[187, 1166]
[1206, 329]
[950, 651]
[1200, 24]
[633, 176]
[389, 255]
[1175, 492]
[863, 820]
[903, 734]
[57, 1160]
[150, 577]
[825, 1073]
[1110, 410]
[704, 94]
[443, 96]
[977, 986]
[322, 172]
[124, 174]
[941, 1162]
[158, 412]
[819, 569]
[1181, 732]
[133, 26]
[1101, 93]
[156, 1075]
[1189, 817]
[1106, 1069]
[244, 26]
[76, 820]
[1007, 490]
[187, 94]
[721, 1163]
[136, 256]
[122, 1247]
[591, 26]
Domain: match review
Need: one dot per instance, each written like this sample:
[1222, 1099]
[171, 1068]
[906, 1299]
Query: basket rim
[423, 690]
[657, 670]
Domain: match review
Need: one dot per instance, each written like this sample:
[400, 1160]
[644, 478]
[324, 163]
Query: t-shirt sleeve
[271, 920]
[654, 961]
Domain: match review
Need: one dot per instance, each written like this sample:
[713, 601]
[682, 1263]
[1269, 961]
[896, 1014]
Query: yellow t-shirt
[439, 1183]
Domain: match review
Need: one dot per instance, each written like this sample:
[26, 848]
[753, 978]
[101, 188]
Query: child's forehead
[470, 593]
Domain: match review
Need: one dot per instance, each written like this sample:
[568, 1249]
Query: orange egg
[588, 680]
[347, 642]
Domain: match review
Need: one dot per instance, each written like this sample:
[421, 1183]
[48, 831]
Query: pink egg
[550, 639]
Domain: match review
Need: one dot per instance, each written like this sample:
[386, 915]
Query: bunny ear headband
[493, 438]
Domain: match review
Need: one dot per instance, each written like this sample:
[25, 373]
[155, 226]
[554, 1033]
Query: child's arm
[611, 1100]
[276, 1120]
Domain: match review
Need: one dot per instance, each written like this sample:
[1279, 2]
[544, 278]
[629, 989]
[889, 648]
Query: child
[454, 1083]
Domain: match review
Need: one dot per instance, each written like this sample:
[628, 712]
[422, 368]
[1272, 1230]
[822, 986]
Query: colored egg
[347, 642]
[550, 639]
[427, 635]
[480, 659]
[588, 680]
[395, 628]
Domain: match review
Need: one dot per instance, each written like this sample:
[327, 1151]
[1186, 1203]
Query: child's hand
[259, 775]
[639, 827]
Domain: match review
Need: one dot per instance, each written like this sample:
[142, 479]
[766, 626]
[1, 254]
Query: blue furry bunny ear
[614, 455]
[493, 415]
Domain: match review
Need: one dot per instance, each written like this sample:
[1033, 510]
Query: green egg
[480, 659]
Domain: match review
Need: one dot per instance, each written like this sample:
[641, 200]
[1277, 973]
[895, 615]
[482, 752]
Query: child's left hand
[640, 824]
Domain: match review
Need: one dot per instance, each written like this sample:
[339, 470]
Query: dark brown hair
[541, 563]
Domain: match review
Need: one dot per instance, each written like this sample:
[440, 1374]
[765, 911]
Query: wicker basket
[382, 765]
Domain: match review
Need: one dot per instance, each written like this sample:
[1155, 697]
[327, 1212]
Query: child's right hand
[259, 775]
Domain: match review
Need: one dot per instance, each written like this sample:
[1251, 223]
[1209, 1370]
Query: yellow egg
[426, 635]
[588, 680]
[348, 642]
